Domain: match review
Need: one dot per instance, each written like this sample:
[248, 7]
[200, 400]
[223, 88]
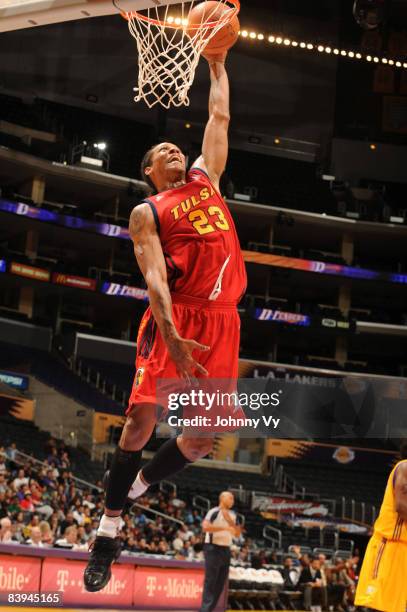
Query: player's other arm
[150, 258]
[215, 143]
[400, 491]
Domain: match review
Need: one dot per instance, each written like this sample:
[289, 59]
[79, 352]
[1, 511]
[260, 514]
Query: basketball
[212, 11]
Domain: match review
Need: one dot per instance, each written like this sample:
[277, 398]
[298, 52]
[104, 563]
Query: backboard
[18, 14]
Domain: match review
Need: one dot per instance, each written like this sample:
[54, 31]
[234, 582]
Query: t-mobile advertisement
[170, 589]
[142, 587]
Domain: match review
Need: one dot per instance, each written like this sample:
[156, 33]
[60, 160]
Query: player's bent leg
[125, 464]
[171, 457]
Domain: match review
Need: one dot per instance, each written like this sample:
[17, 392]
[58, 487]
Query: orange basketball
[211, 11]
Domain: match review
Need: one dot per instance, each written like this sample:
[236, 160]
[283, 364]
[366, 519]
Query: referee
[219, 526]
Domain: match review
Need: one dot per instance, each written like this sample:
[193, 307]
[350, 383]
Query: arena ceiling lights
[282, 41]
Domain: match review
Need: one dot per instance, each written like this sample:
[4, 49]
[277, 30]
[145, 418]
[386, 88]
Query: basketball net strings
[169, 56]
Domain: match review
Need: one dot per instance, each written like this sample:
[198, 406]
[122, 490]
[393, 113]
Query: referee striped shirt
[220, 538]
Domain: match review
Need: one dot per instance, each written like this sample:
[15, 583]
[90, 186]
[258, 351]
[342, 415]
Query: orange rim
[158, 22]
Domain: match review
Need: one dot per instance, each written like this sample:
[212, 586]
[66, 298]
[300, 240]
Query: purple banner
[107, 229]
[116, 231]
[125, 291]
[279, 316]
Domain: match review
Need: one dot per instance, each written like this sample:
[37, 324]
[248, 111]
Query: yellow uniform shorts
[383, 579]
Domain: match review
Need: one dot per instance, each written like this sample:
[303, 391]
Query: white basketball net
[168, 55]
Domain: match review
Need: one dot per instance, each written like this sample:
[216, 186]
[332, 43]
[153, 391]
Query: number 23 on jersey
[206, 222]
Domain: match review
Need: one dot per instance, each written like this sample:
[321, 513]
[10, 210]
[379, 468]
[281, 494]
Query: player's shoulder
[399, 468]
[140, 210]
[141, 215]
[195, 173]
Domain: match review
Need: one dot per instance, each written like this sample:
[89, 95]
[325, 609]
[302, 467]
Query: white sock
[137, 488]
[109, 526]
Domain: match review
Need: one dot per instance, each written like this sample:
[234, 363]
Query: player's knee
[196, 448]
[137, 431]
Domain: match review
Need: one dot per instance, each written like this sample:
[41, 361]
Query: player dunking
[382, 582]
[187, 248]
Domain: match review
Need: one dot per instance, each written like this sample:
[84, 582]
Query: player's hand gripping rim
[180, 350]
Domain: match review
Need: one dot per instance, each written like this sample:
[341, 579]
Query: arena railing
[22, 459]
[167, 486]
[350, 509]
[200, 502]
[358, 512]
[95, 378]
[273, 535]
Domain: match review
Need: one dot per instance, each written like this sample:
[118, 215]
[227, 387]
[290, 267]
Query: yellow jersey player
[383, 578]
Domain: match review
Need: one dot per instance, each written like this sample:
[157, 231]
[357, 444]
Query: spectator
[324, 580]
[26, 503]
[16, 534]
[64, 460]
[47, 479]
[50, 444]
[69, 540]
[3, 468]
[296, 555]
[11, 452]
[87, 502]
[54, 524]
[47, 537]
[53, 458]
[20, 480]
[40, 507]
[13, 503]
[19, 522]
[3, 483]
[79, 515]
[259, 559]
[290, 574]
[82, 539]
[178, 544]
[34, 522]
[339, 584]
[5, 530]
[35, 538]
[89, 532]
[311, 582]
[69, 521]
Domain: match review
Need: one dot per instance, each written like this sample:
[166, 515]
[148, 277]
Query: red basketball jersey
[199, 241]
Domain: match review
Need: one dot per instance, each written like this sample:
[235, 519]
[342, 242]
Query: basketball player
[382, 583]
[187, 248]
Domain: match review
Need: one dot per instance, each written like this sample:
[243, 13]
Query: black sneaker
[104, 552]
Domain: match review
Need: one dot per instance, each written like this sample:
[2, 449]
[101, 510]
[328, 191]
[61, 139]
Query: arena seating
[337, 481]
[53, 371]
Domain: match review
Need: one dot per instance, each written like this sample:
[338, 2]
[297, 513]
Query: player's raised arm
[150, 258]
[215, 143]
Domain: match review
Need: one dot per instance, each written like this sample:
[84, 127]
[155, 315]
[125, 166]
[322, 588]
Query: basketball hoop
[169, 47]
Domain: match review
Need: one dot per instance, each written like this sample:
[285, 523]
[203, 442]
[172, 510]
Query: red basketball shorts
[212, 323]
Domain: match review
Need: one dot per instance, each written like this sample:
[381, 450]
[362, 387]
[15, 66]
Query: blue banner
[15, 380]
[279, 316]
[125, 291]
[107, 229]
[2, 265]
[116, 231]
